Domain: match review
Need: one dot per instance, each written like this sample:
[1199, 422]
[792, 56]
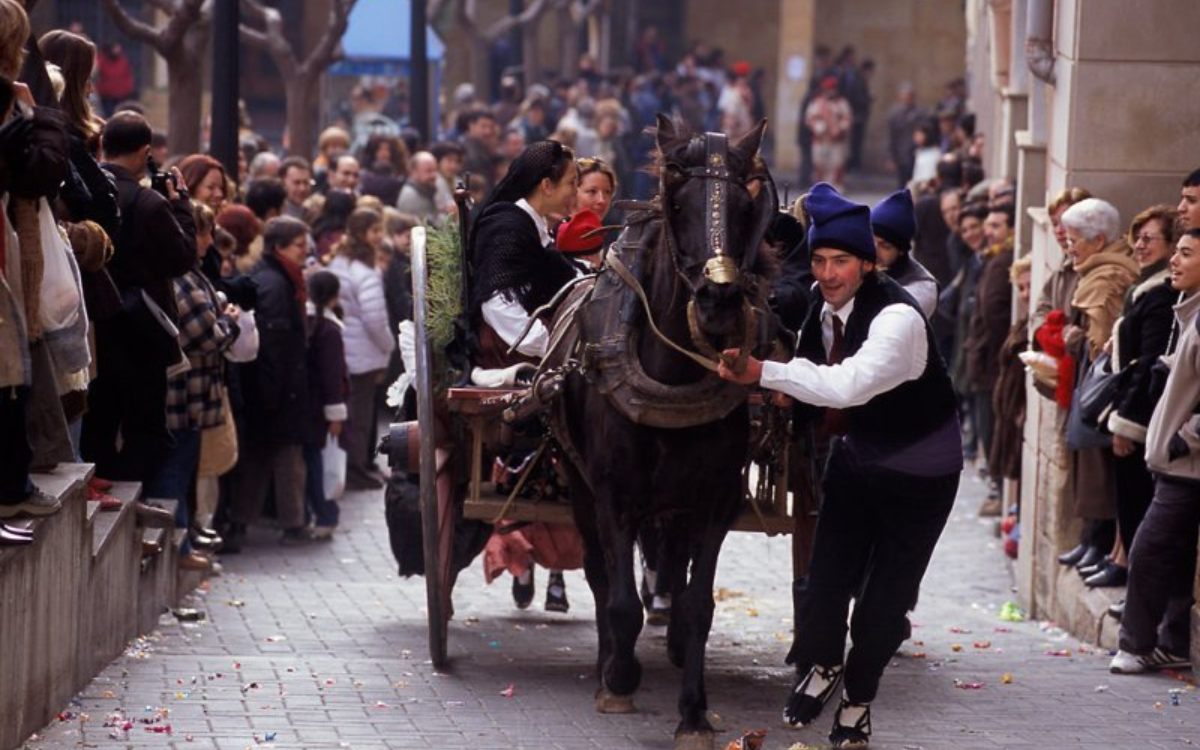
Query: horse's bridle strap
[618, 266]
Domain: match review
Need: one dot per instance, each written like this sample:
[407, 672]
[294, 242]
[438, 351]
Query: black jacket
[1142, 334]
[90, 194]
[155, 243]
[276, 383]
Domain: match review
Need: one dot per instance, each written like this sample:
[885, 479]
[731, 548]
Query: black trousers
[1135, 490]
[879, 527]
[15, 453]
[127, 399]
[1162, 571]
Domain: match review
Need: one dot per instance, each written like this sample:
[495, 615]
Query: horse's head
[717, 201]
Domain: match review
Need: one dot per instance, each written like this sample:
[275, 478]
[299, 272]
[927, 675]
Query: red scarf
[1050, 337]
[295, 274]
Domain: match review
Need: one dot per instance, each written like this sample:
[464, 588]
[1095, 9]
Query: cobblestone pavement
[325, 647]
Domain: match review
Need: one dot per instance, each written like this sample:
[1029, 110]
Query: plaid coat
[194, 397]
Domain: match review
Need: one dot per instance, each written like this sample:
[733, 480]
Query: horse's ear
[664, 130]
[747, 147]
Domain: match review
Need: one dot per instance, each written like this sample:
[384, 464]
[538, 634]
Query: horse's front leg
[621, 672]
[691, 621]
[595, 569]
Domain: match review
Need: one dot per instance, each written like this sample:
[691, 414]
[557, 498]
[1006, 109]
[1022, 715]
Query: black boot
[1074, 556]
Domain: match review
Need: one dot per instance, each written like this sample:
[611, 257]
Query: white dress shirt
[894, 353]
[507, 317]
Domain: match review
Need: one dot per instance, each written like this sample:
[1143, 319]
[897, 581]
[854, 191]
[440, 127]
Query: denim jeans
[178, 474]
[321, 510]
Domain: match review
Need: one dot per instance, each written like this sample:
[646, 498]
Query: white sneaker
[1126, 663]
[37, 504]
[1159, 658]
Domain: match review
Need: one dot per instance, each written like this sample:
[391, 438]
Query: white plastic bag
[333, 468]
[61, 297]
[245, 346]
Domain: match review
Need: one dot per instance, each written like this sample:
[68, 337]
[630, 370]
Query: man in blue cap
[866, 355]
[894, 224]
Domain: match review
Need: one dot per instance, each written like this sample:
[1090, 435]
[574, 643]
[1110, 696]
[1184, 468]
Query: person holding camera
[155, 243]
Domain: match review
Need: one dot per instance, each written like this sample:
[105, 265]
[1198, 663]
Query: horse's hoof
[693, 741]
[611, 703]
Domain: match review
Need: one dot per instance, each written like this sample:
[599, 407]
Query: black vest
[913, 410]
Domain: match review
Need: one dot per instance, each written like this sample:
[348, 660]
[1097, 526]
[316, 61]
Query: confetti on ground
[1102, 688]
[1060, 652]
[275, 638]
[982, 644]
[508, 691]
[751, 740]
[956, 648]
[968, 685]
[722, 594]
[960, 630]
[1011, 612]
[1006, 678]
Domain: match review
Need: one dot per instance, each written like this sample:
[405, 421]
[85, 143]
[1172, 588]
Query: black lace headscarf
[503, 261]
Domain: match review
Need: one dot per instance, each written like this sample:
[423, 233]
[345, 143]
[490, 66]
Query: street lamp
[418, 69]
[223, 139]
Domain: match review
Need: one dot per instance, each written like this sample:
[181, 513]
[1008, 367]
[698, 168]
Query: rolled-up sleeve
[895, 351]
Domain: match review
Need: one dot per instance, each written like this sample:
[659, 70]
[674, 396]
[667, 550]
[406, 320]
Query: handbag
[61, 296]
[245, 347]
[219, 445]
[1097, 389]
[1081, 435]
[155, 335]
[333, 469]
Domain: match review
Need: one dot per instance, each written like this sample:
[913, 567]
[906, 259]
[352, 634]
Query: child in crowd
[328, 386]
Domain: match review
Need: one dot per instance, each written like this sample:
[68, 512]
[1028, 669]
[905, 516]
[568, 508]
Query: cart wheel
[436, 521]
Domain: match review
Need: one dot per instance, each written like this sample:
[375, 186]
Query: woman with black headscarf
[514, 270]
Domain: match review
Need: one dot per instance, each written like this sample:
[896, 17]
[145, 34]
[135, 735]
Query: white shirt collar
[538, 220]
[844, 313]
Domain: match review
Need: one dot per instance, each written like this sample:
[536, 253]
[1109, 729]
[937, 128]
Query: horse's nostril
[719, 295]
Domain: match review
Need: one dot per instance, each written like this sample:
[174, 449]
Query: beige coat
[1099, 297]
[1175, 417]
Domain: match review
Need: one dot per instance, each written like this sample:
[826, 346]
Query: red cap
[829, 83]
[580, 234]
[741, 68]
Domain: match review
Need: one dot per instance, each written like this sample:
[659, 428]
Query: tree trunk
[300, 114]
[568, 44]
[184, 89]
[480, 50]
[529, 53]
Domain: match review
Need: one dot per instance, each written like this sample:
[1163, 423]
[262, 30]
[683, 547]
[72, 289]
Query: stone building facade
[1110, 110]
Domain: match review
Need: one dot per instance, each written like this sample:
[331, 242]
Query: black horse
[649, 431]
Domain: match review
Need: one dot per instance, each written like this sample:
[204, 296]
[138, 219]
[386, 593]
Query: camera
[159, 178]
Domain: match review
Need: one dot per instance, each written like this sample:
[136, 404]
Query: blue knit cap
[838, 223]
[895, 220]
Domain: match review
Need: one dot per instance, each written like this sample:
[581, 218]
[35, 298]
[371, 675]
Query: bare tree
[300, 75]
[481, 39]
[572, 15]
[182, 42]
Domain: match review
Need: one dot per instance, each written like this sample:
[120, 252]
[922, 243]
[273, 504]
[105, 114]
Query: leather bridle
[719, 268]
